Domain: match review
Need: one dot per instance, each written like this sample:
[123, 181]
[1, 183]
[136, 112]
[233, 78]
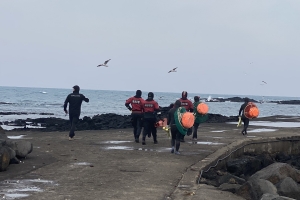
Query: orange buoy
[202, 108]
[161, 123]
[187, 120]
[251, 111]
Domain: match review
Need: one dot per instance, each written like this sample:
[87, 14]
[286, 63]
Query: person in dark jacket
[136, 109]
[188, 105]
[197, 117]
[74, 100]
[176, 135]
[244, 119]
[150, 108]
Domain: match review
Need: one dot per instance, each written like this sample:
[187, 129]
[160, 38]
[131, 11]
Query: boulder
[289, 188]
[255, 188]
[246, 165]
[277, 172]
[4, 158]
[274, 197]
[229, 187]
[229, 178]
[22, 148]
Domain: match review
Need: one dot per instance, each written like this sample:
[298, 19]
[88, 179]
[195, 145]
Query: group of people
[144, 115]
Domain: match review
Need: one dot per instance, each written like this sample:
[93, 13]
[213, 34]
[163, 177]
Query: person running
[176, 135]
[74, 100]
[188, 105]
[243, 117]
[136, 109]
[150, 108]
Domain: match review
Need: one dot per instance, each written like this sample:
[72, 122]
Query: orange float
[251, 111]
[161, 123]
[202, 108]
[187, 120]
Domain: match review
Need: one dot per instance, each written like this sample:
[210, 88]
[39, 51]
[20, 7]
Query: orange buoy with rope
[202, 108]
[187, 120]
[251, 111]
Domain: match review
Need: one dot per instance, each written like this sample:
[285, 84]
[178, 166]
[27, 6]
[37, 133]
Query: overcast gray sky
[219, 47]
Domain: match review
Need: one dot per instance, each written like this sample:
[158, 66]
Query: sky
[219, 47]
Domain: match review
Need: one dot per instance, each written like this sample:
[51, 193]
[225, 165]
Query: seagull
[104, 64]
[173, 70]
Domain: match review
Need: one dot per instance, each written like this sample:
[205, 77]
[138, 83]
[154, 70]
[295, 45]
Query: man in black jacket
[75, 100]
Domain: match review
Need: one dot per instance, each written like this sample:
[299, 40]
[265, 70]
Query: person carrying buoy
[179, 121]
[136, 113]
[248, 111]
[150, 108]
[189, 107]
[200, 111]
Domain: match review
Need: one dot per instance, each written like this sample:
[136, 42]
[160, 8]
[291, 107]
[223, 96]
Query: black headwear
[150, 95]
[76, 88]
[246, 99]
[196, 98]
[177, 104]
[184, 94]
[138, 93]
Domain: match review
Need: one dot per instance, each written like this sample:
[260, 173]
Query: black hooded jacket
[75, 100]
[171, 119]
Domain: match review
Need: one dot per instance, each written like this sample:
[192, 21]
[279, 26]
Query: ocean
[49, 100]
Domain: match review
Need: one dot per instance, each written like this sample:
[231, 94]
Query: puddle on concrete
[259, 130]
[217, 137]
[16, 137]
[251, 136]
[9, 128]
[220, 131]
[83, 164]
[115, 142]
[15, 189]
[119, 148]
[273, 124]
[207, 143]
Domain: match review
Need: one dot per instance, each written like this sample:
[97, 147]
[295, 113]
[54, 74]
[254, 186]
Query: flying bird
[104, 64]
[264, 82]
[173, 70]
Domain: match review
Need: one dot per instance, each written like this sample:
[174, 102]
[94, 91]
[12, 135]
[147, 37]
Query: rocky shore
[97, 122]
[257, 177]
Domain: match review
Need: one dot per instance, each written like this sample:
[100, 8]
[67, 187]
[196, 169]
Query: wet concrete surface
[110, 165]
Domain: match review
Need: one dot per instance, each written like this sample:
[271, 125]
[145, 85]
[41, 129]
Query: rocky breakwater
[11, 151]
[98, 122]
[259, 177]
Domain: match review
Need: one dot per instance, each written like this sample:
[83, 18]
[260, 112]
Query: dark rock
[289, 188]
[246, 165]
[255, 188]
[4, 158]
[229, 187]
[229, 178]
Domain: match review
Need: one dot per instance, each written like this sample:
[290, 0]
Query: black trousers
[176, 137]
[137, 124]
[149, 127]
[196, 125]
[246, 124]
[74, 118]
